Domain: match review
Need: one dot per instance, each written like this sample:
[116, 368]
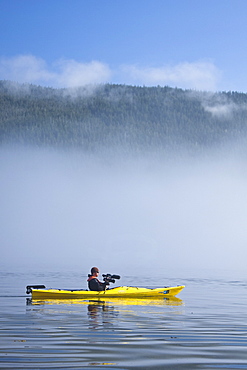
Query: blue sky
[198, 44]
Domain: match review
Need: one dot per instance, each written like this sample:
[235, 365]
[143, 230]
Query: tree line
[132, 117]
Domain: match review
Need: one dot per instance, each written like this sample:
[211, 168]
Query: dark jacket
[95, 284]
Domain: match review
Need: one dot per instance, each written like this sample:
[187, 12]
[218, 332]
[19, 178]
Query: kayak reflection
[168, 301]
[104, 313]
[101, 314]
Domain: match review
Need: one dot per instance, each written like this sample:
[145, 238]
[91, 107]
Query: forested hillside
[135, 118]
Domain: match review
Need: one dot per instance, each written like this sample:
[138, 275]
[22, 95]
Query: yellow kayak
[40, 292]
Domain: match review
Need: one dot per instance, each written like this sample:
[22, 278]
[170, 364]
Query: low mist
[66, 210]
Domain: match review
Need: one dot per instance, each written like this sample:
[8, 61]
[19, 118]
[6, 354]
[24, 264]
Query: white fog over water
[67, 210]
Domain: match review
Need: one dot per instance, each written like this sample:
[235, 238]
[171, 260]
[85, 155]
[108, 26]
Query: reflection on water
[101, 313]
[170, 301]
[107, 333]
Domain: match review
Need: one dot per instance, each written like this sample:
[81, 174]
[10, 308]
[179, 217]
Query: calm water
[206, 328]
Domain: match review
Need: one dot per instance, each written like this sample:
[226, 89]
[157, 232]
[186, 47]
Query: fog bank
[66, 210]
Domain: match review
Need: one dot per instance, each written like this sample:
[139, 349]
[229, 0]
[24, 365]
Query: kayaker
[93, 281]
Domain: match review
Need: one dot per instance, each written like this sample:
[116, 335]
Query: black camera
[108, 278]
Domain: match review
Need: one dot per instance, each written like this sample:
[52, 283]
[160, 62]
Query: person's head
[94, 271]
